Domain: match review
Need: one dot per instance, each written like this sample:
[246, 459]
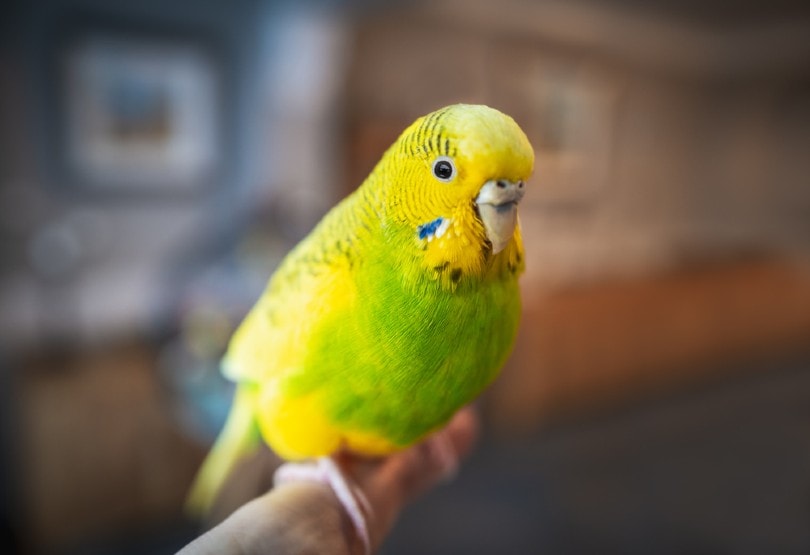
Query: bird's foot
[326, 471]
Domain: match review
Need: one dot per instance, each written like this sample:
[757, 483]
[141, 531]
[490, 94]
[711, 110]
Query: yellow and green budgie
[399, 307]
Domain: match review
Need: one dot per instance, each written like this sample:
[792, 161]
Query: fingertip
[463, 430]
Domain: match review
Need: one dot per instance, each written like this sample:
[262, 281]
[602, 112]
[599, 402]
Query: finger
[391, 483]
[420, 468]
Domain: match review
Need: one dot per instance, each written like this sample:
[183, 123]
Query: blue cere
[429, 229]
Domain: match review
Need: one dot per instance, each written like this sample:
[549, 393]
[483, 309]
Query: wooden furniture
[602, 345]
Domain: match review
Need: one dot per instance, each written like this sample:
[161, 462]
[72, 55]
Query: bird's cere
[497, 207]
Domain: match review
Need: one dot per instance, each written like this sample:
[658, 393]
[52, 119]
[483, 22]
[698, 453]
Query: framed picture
[140, 113]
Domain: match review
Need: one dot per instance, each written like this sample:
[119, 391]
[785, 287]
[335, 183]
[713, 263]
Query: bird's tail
[239, 437]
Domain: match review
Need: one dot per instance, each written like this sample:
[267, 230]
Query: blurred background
[157, 159]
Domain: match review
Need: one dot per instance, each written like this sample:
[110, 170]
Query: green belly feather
[408, 356]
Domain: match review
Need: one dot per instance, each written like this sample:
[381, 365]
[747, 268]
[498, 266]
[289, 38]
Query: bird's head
[453, 181]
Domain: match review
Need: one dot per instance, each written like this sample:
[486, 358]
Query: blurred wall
[663, 133]
[105, 235]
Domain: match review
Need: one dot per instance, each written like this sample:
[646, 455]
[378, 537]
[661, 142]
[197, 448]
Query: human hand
[306, 517]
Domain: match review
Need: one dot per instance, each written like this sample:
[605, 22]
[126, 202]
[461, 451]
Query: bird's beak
[497, 207]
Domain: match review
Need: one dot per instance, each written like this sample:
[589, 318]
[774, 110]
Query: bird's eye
[444, 169]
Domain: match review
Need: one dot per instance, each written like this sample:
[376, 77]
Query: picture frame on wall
[139, 112]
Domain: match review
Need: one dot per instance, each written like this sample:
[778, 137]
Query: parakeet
[397, 309]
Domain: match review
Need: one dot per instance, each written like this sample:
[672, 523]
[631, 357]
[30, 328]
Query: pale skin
[306, 517]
